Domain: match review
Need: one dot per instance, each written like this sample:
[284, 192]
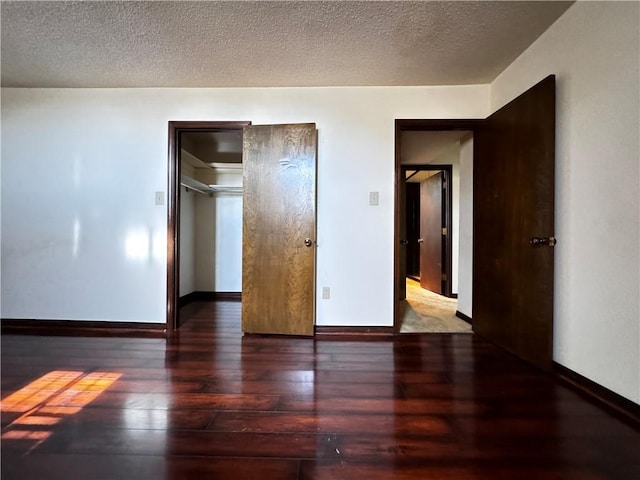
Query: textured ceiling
[265, 43]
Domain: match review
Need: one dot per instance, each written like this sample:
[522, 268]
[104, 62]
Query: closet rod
[195, 189]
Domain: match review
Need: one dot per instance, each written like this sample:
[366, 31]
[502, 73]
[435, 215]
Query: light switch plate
[374, 198]
[159, 198]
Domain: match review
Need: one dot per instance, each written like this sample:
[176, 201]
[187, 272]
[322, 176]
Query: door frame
[448, 218]
[405, 125]
[176, 128]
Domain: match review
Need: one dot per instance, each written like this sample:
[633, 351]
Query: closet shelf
[196, 186]
[226, 167]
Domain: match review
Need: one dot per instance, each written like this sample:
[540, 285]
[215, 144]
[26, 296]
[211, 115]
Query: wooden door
[404, 252]
[431, 233]
[513, 201]
[278, 233]
[412, 217]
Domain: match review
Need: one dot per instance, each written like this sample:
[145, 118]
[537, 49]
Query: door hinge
[444, 230]
[444, 185]
[444, 277]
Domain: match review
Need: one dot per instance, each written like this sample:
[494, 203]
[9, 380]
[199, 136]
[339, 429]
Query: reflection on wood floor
[426, 312]
[211, 403]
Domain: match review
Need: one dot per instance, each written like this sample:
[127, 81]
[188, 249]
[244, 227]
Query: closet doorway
[241, 204]
[204, 258]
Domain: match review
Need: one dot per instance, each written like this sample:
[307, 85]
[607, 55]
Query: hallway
[427, 312]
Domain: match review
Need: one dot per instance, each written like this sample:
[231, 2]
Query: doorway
[431, 241]
[434, 222]
[429, 232]
[513, 222]
[211, 148]
[275, 166]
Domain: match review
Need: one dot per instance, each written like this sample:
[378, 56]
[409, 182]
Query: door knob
[543, 241]
[308, 242]
[420, 240]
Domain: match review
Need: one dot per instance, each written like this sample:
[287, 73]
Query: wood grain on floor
[212, 403]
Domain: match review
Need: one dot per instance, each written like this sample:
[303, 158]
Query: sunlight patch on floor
[45, 401]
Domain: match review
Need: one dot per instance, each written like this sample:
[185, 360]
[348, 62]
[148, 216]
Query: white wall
[465, 228]
[187, 242]
[228, 254]
[228, 234]
[205, 244]
[218, 243]
[455, 224]
[594, 51]
[83, 239]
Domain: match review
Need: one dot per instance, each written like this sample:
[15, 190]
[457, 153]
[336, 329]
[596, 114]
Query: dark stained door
[412, 217]
[278, 232]
[431, 233]
[513, 202]
[403, 265]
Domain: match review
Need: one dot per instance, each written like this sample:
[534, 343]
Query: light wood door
[431, 233]
[279, 229]
[513, 189]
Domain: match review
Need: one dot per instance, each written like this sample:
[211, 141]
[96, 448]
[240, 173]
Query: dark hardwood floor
[212, 404]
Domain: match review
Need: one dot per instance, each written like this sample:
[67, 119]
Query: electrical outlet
[326, 293]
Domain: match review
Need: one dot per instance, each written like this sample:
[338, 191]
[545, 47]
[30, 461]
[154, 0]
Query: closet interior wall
[210, 226]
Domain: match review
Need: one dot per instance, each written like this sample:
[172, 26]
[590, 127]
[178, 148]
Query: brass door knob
[543, 241]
